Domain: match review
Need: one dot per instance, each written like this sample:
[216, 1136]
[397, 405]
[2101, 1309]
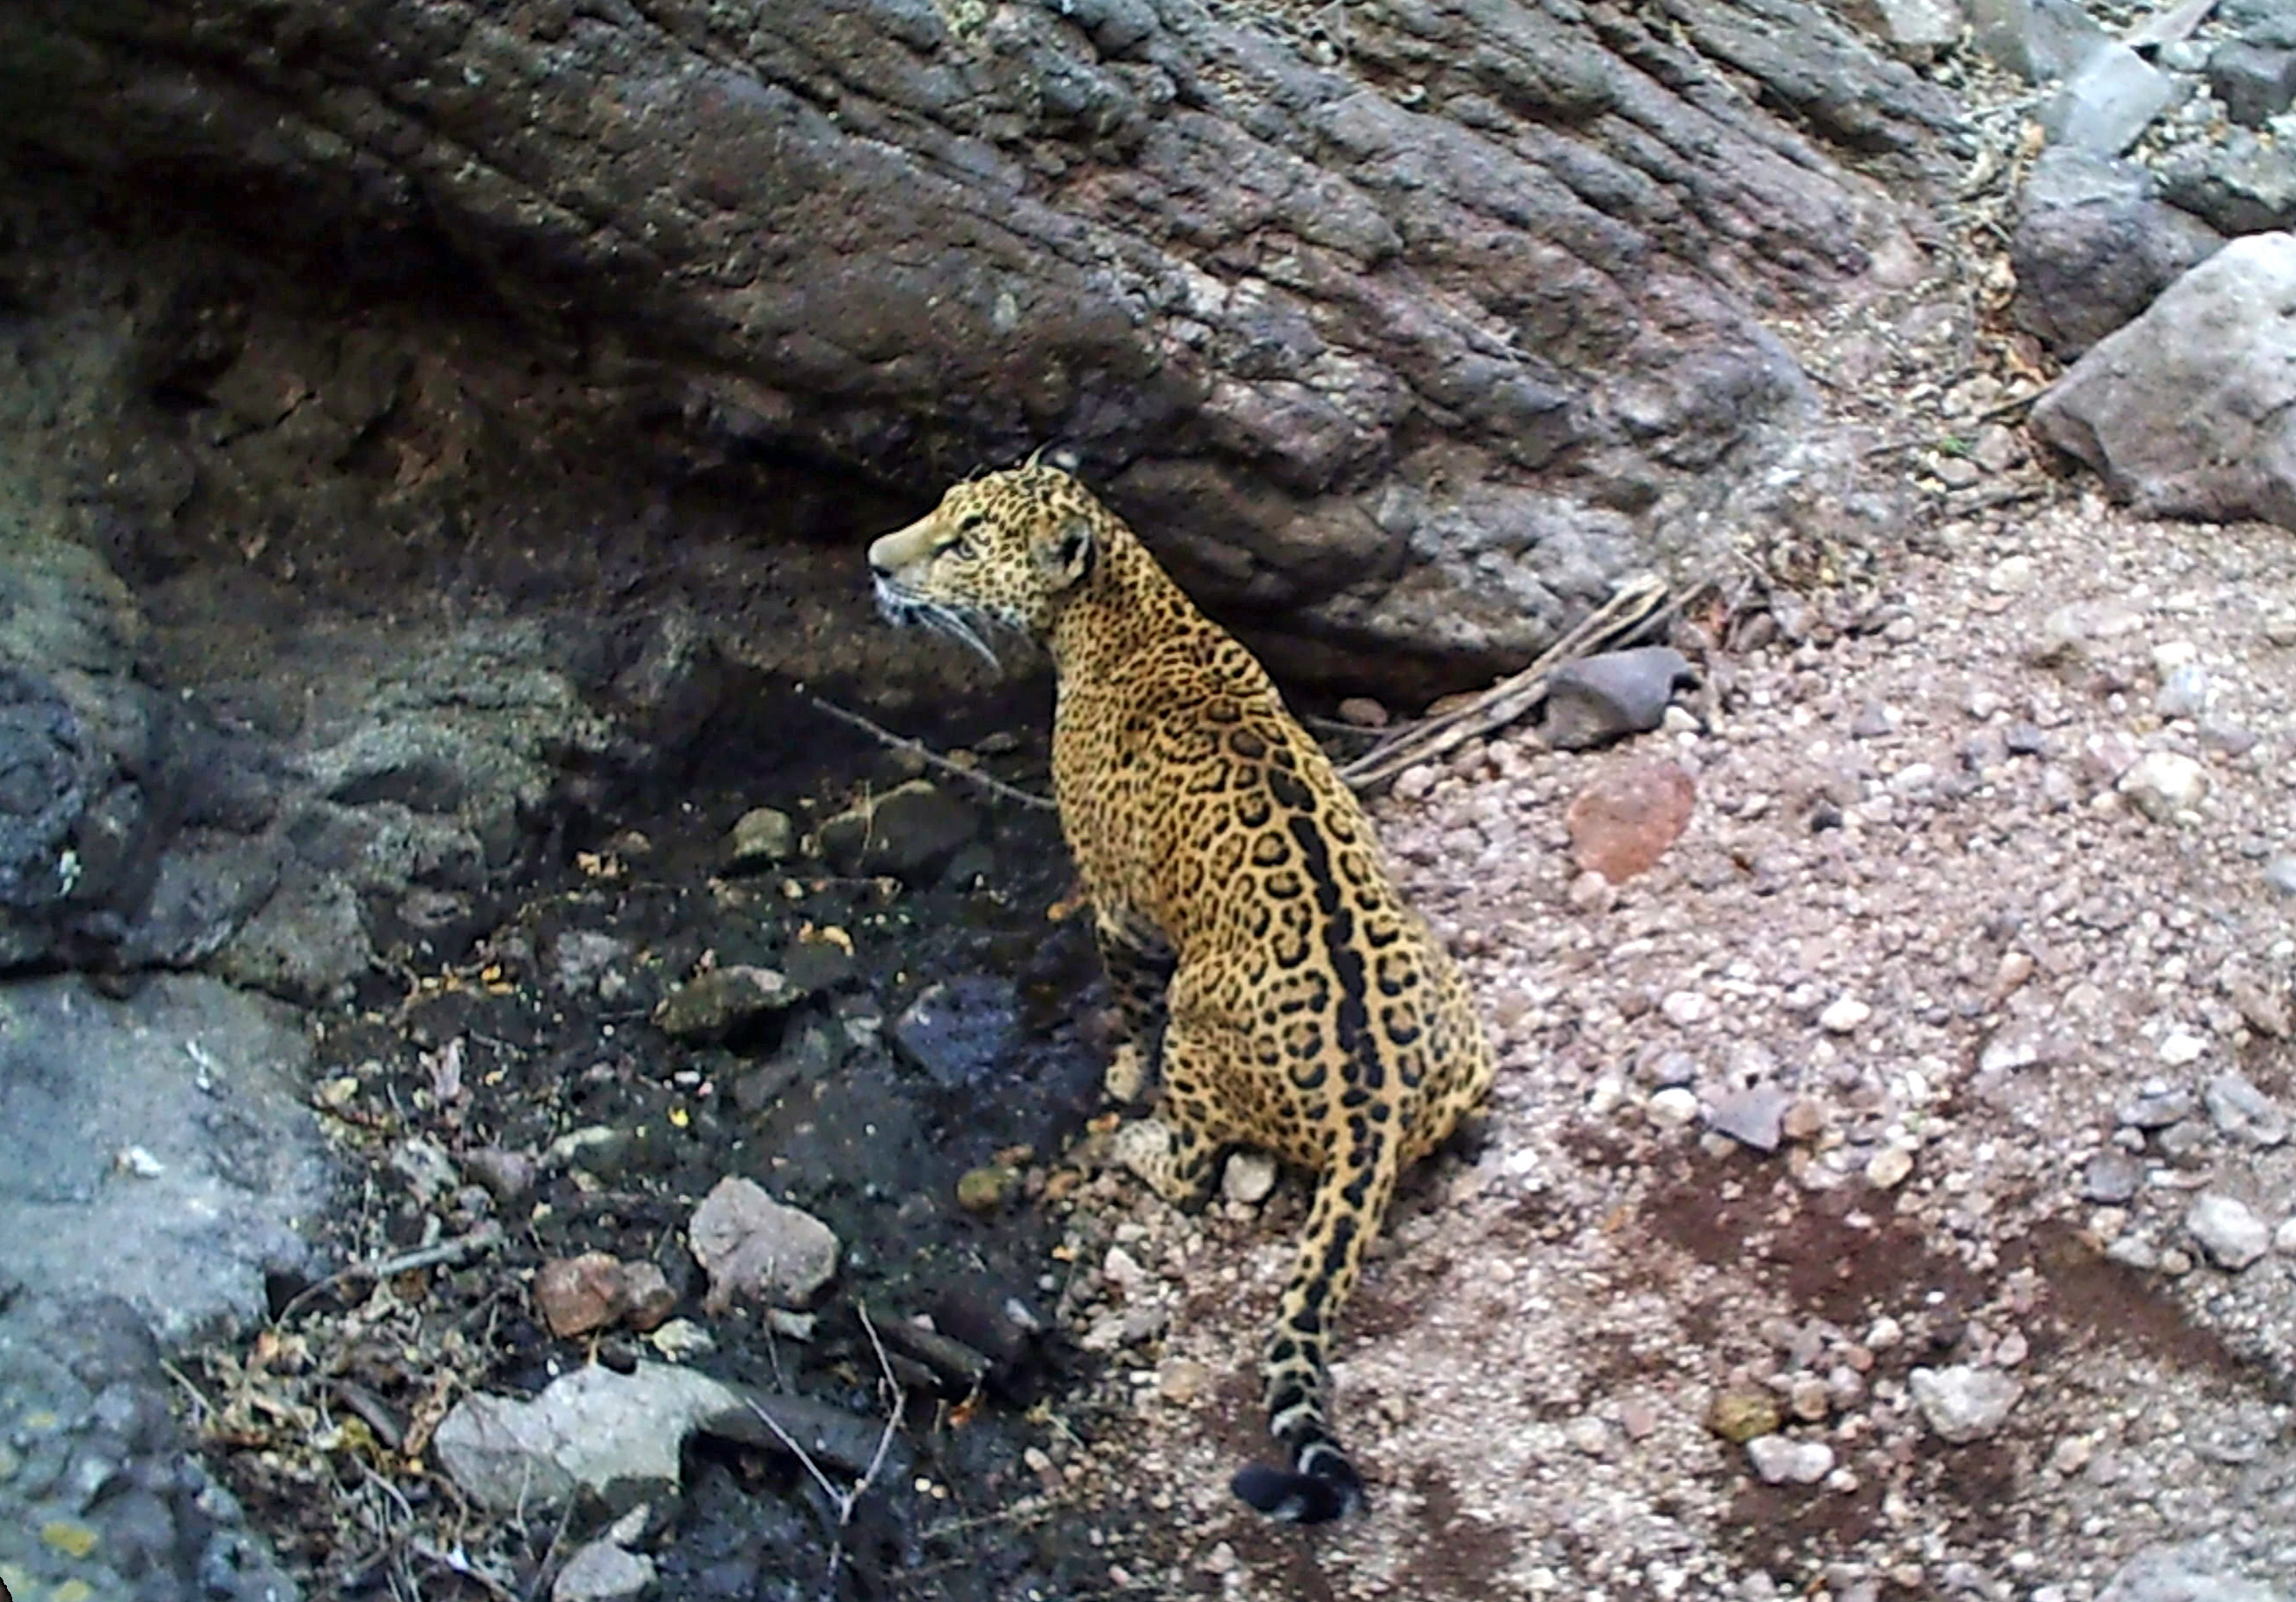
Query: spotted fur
[1240, 902]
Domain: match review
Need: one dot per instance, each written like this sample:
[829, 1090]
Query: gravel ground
[2016, 1022]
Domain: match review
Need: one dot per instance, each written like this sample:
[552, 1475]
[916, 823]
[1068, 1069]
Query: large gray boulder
[2190, 411]
[1257, 276]
[159, 1149]
[2093, 245]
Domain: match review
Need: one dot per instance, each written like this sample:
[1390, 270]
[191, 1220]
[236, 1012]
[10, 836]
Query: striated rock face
[1366, 330]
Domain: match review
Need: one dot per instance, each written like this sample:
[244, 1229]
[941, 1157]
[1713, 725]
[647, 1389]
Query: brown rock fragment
[1623, 822]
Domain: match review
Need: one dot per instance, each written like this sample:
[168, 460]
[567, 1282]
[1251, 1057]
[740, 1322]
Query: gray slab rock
[1600, 699]
[2190, 411]
[2201, 1571]
[617, 1436]
[2240, 185]
[2255, 82]
[1914, 30]
[2037, 39]
[2093, 245]
[2107, 103]
[157, 1149]
[2269, 22]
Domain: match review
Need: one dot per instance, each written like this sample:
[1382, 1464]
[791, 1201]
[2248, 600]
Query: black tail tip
[1333, 1491]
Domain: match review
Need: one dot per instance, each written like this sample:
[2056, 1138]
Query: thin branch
[931, 758]
[1637, 603]
[485, 1237]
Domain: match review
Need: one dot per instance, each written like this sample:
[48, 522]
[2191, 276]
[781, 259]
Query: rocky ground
[1890, 1192]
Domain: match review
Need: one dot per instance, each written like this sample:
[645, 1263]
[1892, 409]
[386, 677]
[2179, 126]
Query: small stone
[1871, 722]
[910, 830]
[69, 1536]
[1844, 1016]
[2025, 740]
[1590, 891]
[1962, 1403]
[2110, 1178]
[1805, 1119]
[1888, 1168]
[752, 1245]
[984, 1189]
[2239, 1109]
[1673, 1105]
[577, 1294]
[2164, 782]
[2011, 575]
[712, 1005]
[2184, 694]
[2181, 1048]
[1753, 1117]
[1741, 1416]
[2255, 82]
[2157, 1106]
[2263, 1011]
[603, 1572]
[2280, 873]
[1623, 823]
[1780, 1460]
[1598, 699]
[1589, 1435]
[761, 836]
[2227, 1230]
[2283, 1238]
[1248, 1178]
[1363, 712]
[1181, 1380]
[1808, 1398]
[1684, 1008]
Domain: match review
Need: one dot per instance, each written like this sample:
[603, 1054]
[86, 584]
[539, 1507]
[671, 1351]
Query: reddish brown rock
[1622, 823]
[577, 1294]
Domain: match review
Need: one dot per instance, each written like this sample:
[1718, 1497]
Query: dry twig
[1637, 602]
[846, 1500]
[929, 756]
[484, 1238]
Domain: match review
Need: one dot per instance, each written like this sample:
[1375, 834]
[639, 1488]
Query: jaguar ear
[1070, 551]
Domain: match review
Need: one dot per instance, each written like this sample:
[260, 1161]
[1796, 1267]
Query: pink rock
[1623, 822]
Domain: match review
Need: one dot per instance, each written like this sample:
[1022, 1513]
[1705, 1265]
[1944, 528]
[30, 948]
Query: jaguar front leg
[1139, 966]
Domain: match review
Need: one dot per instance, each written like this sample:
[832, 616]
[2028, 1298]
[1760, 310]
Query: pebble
[2181, 1048]
[1964, 1403]
[2228, 1231]
[2184, 693]
[1780, 1460]
[1621, 823]
[1249, 1177]
[1182, 1380]
[2156, 1107]
[1844, 1016]
[761, 836]
[1673, 1105]
[2112, 1176]
[2011, 575]
[1684, 1008]
[1754, 1116]
[2279, 873]
[2164, 782]
[2283, 1238]
[1888, 1168]
[1743, 1416]
[2238, 1108]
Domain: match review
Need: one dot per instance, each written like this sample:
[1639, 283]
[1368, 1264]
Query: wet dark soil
[526, 1043]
